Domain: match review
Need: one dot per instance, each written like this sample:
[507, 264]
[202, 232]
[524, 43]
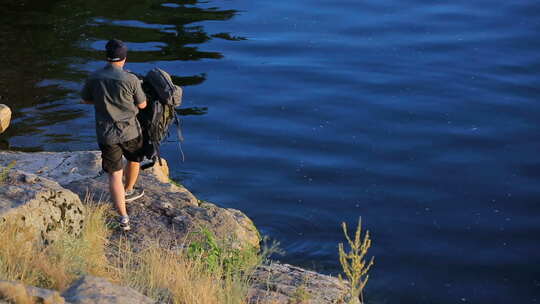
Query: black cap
[116, 50]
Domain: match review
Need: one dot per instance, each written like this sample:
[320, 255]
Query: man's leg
[132, 173]
[117, 192]
[133, 152]
[112, 164]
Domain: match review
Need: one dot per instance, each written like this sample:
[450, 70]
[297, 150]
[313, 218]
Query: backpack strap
[179, 135]
[152, 161]
[158, 154]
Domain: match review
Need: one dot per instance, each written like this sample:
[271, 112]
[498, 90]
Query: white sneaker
[124, 223]
[134, 194]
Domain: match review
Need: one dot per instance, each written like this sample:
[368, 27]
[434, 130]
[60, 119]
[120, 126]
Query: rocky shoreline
[47, 190]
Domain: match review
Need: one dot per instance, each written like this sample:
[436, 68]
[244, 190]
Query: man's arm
[86, 94]
[138, 94]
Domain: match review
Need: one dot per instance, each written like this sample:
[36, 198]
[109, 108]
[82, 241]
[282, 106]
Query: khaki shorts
[111, 155]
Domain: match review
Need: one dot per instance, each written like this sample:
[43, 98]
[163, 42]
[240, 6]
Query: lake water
[420, 117]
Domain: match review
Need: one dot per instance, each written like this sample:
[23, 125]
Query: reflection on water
[192, 111]
[46, 45]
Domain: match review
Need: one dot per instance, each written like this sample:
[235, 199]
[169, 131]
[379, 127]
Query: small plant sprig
[353, 262]
[5, 171]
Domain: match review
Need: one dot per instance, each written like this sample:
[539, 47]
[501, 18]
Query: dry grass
[168, 276]
[24, 258]
[353, 262]
[17, 253]
[15, 293]
[176, 276]
[206, 275]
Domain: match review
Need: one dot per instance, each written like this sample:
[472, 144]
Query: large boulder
[94, 290]
[5, 117]
[40, 203]
[286, 284]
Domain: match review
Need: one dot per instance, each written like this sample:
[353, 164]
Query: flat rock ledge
[286, 284]
[167, 212]
[5, 117]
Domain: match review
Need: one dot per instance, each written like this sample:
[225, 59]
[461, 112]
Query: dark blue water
[420, 117]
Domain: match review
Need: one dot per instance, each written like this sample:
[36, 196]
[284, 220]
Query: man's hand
[86, 101]
[142, 105]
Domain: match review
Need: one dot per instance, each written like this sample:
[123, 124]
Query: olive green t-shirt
[115, 94]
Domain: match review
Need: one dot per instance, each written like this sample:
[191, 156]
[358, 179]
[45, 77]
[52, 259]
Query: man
[117, 97]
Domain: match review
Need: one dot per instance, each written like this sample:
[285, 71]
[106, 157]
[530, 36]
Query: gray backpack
[162, 97]
[166, 90]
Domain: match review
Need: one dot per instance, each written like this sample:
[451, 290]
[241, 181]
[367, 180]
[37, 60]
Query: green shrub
[222, 256]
